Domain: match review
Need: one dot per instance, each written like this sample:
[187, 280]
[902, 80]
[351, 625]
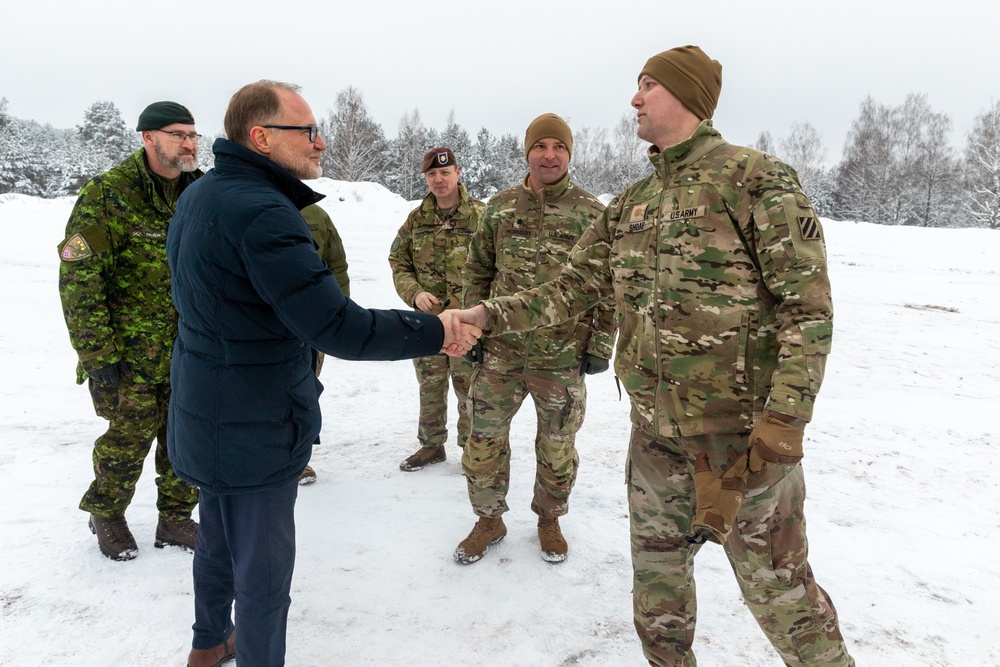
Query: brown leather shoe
[113, 537]
[423, 457]
[176, 533]
[554, 547]
[485, 533]
[212, 657]
[308, 476]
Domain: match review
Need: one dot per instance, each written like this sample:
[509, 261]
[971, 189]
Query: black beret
[161, 114]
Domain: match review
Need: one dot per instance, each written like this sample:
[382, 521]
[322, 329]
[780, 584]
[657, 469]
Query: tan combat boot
[215, 656]
[485, 533]
[554, 547]
[423, 457]
[308, 476]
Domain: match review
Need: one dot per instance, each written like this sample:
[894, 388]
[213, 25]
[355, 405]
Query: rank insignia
[75, 249]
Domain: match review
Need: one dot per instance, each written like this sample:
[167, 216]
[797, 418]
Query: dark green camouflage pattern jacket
[717, 267]
[525, 240]
[113, 276]
[428, 253]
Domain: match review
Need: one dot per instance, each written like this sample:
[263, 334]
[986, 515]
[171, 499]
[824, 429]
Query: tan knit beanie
[548, 125]
[693, 78]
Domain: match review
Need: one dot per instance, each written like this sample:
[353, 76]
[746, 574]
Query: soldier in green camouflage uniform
[331, 250]
[717, 267]
[115, 290]
[427, 257]
[525, 239]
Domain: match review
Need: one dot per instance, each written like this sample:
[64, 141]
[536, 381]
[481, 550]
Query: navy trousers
[245, 554]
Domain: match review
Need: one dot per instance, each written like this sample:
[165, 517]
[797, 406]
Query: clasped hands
[462, 328]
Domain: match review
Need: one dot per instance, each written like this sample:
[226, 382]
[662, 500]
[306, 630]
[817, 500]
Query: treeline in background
[898, 166]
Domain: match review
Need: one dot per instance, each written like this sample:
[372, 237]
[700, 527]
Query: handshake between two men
[462, 328]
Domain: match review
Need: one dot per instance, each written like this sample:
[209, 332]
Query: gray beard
[182, 163]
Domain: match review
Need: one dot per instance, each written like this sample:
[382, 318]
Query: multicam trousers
[560, 399]
[767, 550]
[137, 413]
[432, 376]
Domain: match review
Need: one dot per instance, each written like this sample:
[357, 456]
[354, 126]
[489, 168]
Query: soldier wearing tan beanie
[693, 78]
[545, 126]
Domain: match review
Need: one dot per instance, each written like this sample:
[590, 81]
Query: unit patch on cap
[75, 249]
[442, 158]
[809, 227]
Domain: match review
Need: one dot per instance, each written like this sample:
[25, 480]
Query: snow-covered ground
[901, 464]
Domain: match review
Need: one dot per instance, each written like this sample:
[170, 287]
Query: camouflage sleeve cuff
[91, 361]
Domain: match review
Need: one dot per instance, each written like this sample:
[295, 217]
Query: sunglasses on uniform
[312, 129]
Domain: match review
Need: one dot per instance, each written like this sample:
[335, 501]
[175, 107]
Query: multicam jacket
[717, 267]
[114, 281]
[328, 244]
[525, 240]
[428, 253]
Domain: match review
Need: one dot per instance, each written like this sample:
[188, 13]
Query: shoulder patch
[395, 244]
[809, 227]
[75, 248]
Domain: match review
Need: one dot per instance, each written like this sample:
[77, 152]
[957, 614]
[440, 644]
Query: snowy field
[901, 465]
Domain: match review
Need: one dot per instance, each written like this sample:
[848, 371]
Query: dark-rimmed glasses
[181, 136]
[313, 130]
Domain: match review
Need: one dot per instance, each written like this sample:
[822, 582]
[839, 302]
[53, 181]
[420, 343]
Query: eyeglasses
[181, 136]
[313, 130]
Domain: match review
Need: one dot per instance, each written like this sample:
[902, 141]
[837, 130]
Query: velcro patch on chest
[517, 230]
[809, 228]
[684, 213]
[75, 249]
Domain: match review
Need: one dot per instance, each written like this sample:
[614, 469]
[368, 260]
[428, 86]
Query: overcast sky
[499, 64]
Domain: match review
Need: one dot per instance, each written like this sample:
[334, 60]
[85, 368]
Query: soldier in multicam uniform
[427, 257]
[717, 267]
[115, 288]
[525, 240]
[331, 250]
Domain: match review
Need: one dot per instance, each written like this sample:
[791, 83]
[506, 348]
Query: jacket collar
[549, 192]
[674, 158]
[232, 158]
[464, 210]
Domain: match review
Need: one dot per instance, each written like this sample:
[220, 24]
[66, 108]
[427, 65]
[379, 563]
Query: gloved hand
[775, 440]
[593, 364]
[475, 355]
[717, 500]
[109, 375]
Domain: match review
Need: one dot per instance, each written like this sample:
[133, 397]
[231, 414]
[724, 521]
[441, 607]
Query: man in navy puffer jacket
[253, 297]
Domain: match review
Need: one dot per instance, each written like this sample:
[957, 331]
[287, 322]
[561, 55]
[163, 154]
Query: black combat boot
[176, 533]
[113, 537]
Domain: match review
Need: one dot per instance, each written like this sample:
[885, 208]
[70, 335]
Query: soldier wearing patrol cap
[525, 239]
[717, 266]
[427, 257]
[115, 290]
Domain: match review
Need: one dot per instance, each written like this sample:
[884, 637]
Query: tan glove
[717, 500]
[775, 439]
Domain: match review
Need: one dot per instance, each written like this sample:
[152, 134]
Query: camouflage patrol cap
[693, 78]
[548, 125]
[437, 158]
[161, 114]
